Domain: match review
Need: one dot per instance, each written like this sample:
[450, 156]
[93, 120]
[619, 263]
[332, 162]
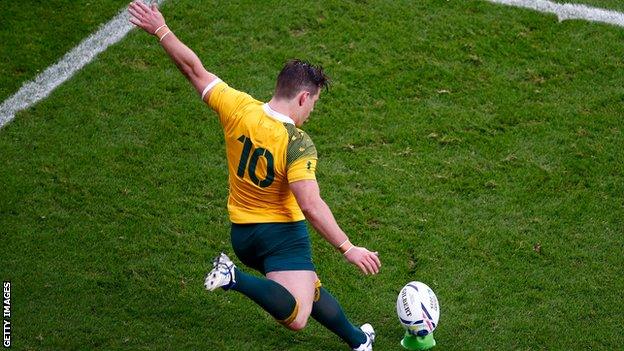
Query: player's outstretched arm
[152, 21]
[320, 216]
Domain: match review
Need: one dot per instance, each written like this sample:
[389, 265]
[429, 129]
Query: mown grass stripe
[569, 11]
[39, 88]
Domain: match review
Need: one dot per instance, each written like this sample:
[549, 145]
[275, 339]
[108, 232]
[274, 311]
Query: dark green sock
[271, 296]
[328, 312]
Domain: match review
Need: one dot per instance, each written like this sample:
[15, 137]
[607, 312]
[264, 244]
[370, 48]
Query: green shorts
[269, 247]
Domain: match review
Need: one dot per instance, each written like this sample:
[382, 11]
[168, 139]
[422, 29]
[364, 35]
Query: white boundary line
[40, 87]
[569, 11]
[116, 29]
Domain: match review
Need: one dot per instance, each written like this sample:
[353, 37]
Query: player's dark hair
[298, 75]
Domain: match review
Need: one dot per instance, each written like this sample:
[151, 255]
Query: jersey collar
[278, 116]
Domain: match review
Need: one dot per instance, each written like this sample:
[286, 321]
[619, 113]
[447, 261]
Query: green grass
[476, 147]
[37, 34]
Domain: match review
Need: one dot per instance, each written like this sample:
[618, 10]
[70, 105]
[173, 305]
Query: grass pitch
[477, 147]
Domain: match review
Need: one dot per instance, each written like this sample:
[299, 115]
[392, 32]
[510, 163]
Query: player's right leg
[267, 247]
[290, 297]
[269, 295]
[301, 284]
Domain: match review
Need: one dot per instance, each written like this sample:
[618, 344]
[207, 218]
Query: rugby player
[272, 191]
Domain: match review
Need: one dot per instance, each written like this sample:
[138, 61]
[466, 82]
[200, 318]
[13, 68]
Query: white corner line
[569, 11]
[39, 88]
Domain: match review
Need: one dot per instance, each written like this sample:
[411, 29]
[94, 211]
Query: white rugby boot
[370, 338]
[222, 274]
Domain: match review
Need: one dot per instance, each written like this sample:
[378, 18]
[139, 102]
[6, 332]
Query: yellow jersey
[265, 152]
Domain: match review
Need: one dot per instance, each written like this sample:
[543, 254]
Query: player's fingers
[373, 265]
[135, 21]
[361, 267]
[136, 6]
[375, 258]
[135, 13]
[144, 7]
[367, 266]
[155, 7]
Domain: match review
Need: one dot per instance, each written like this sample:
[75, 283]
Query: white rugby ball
[418, 308]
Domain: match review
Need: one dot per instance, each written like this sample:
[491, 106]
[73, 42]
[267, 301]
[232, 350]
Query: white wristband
[163, 37]
[209, 86]
[159, 28]
[346, 252]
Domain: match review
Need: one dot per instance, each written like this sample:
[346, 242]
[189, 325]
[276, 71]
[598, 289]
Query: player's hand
[146, 17]
[367, 261]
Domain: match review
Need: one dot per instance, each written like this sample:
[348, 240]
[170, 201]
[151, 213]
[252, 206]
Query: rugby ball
[418, 308]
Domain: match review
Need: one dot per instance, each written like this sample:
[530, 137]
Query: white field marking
[37, 89]
[569, 11]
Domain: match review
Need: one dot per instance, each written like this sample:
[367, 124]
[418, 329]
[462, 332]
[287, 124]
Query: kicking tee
[265, 152]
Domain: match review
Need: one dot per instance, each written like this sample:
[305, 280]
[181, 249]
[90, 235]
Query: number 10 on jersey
[249, 160]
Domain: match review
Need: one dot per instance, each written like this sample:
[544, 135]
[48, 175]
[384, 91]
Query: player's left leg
[327, 311]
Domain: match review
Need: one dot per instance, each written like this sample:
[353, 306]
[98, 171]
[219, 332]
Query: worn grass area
[477, 147]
